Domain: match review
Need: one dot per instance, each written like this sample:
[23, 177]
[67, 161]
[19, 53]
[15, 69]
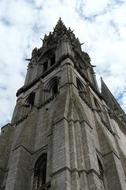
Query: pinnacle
[60, 32]
[60, 26]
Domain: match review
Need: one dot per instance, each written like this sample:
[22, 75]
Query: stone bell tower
[64, 133]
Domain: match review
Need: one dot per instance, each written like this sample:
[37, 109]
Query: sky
[99, 24]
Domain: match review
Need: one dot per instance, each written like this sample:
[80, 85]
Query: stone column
[60, 157]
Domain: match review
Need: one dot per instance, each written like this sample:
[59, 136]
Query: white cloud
[90, 7]
[99, 23]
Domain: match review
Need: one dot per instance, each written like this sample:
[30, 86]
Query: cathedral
[65, 133]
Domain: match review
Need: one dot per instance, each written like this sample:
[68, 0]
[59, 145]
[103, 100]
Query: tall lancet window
[53, 86]
[40, 172]
[81, 89]
[31, 99]
[54, 89]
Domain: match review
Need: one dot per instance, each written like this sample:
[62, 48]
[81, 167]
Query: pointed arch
[30, 99]
[81, 88]
[51, 88]
[40, 171]
[51, 82]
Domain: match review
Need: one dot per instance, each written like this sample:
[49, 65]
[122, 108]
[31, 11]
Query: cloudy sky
[100, 24]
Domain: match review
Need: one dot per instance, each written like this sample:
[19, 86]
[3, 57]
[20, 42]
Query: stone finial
[60, 26]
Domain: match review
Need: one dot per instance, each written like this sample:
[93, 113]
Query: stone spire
[61, 32]
[60, 28]
[62, 135]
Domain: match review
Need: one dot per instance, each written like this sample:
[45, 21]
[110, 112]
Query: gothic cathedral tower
[64, 133]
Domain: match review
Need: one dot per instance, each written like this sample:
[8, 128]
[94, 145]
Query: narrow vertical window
[30, 100]
[54, 89]
[81, 89]
[54, 83]
[52, 60]
[45, 66]
[40, 172]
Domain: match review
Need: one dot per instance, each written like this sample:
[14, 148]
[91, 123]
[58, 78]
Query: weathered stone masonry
[65, 134]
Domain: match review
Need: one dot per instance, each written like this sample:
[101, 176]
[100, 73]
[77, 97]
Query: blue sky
[100, 24]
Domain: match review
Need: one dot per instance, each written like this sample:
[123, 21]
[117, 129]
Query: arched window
[54, 89]
[53, 86]
[80, 88]
[30, 100]
[40, 171]
[51, 89]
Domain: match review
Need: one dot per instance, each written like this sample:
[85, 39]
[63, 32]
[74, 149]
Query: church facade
[64, 134]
